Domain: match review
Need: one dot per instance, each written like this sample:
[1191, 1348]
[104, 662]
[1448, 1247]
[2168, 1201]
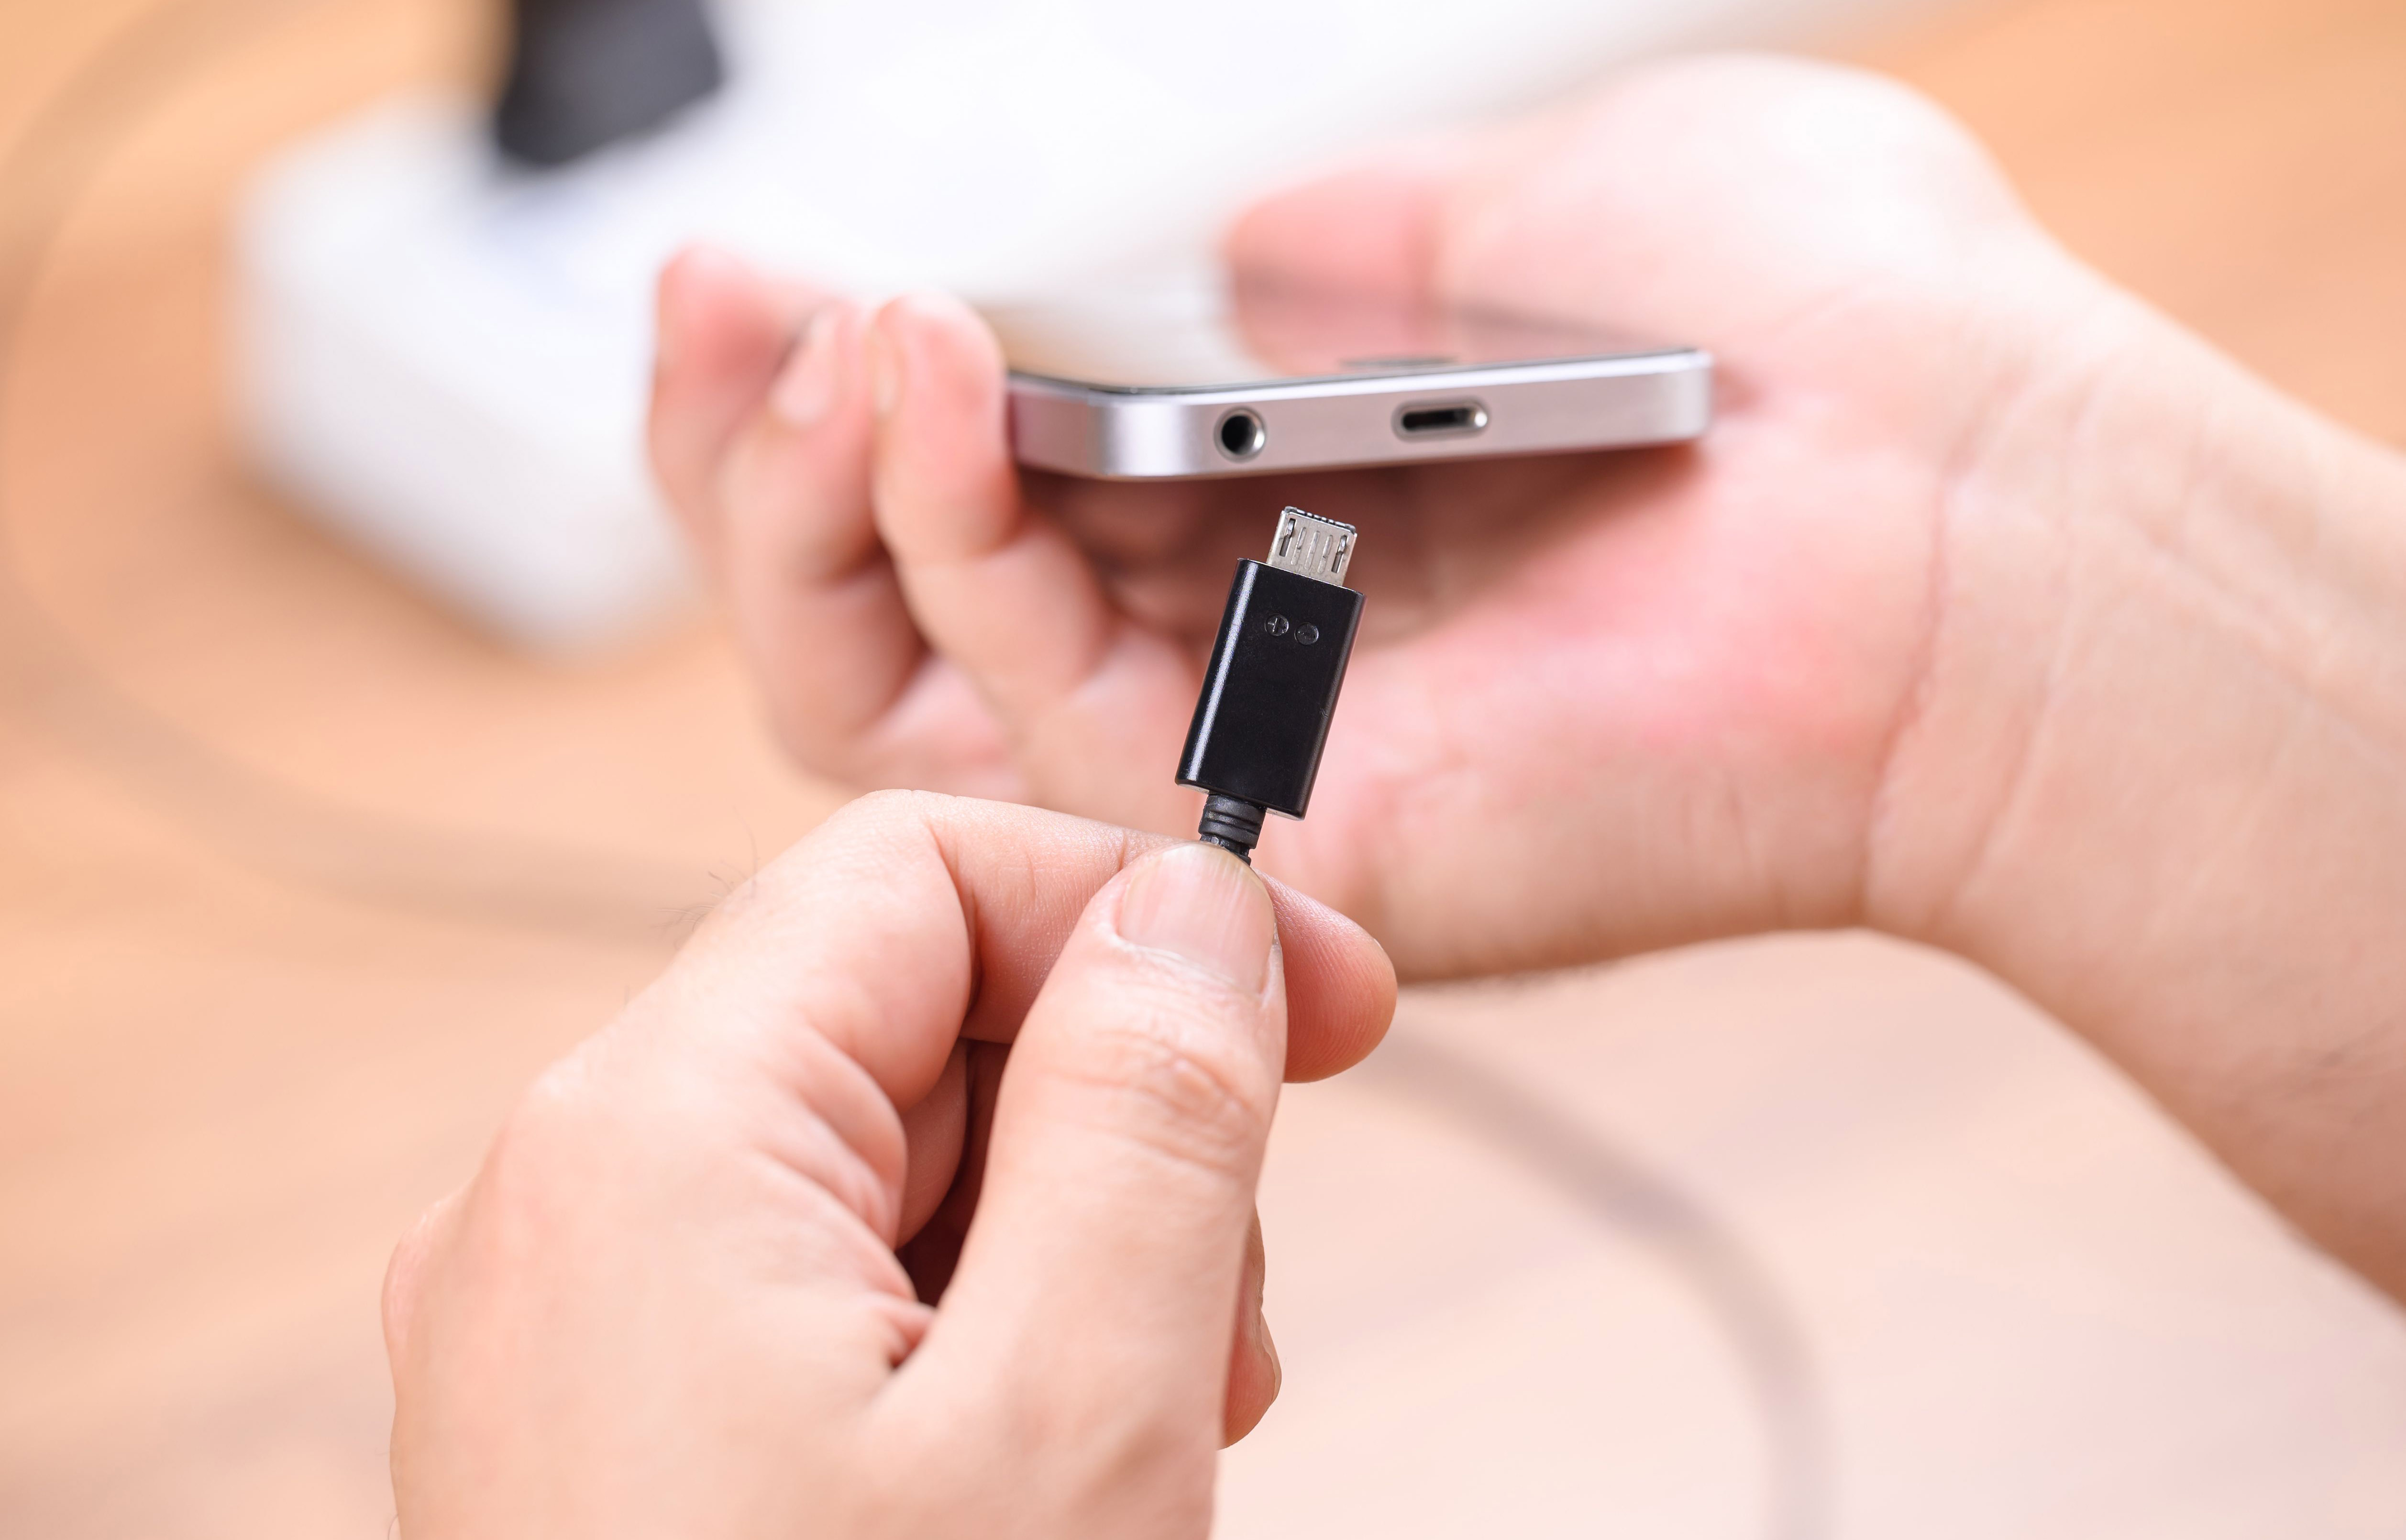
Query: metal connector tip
[1311, 546]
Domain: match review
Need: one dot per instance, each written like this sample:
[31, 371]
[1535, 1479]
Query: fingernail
[1268, 1345]
[884, 372]
[812, 379]
[1199, 902]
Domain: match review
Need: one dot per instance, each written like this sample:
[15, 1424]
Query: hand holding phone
[1602, 700]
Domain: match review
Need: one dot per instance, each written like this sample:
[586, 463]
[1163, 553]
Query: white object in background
[422, 378]
[447, 357]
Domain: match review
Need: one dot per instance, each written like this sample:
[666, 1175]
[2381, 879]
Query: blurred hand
[1602, 703]
[913, 1199]
[1993, 611]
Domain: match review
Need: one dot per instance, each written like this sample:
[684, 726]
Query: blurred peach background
[1815, 1235]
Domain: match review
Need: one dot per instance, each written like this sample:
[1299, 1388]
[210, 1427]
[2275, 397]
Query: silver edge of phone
[1555, 407]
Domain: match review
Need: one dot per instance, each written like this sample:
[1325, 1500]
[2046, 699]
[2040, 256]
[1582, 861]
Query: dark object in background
[587, 73]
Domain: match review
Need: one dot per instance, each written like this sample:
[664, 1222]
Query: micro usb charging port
[1430, 420]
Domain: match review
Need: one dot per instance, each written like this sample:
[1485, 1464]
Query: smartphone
[1203, 379]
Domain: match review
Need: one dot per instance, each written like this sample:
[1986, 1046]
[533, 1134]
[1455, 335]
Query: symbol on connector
[1276, 626]
[1306, 633]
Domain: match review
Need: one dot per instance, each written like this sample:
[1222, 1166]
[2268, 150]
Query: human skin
[790, 1248]
[1994, 612]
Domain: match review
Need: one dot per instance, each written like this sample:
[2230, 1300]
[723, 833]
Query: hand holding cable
[919, 1206]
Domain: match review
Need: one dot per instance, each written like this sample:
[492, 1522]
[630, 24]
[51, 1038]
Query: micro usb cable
[1253, 747]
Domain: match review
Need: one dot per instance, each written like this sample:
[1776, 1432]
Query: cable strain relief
[1232, 824]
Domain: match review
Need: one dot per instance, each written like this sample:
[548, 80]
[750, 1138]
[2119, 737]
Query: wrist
[2154, 777]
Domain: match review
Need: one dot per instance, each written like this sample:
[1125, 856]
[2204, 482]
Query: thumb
[1098, 1290]
[1370, 228]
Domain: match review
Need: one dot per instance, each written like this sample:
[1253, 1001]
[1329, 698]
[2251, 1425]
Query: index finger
[722, 332]
[910, 920]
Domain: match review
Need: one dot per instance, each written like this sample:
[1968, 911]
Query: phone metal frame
[1551, 407]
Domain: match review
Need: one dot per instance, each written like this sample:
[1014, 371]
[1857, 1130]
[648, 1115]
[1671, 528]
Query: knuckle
[873, 825]
[892, 814]
[1186, 1090]
[893, 805]
[540, 1153]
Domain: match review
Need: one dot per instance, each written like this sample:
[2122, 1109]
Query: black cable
[1232, 824]
[262, 820]
[1269, 693]
[1619, 1191]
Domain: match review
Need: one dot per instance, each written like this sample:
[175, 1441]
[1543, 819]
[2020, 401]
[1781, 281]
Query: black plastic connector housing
[1270, 688]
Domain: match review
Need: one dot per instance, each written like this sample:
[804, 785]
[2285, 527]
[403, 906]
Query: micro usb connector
[1271, 689]
[1309, 546]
